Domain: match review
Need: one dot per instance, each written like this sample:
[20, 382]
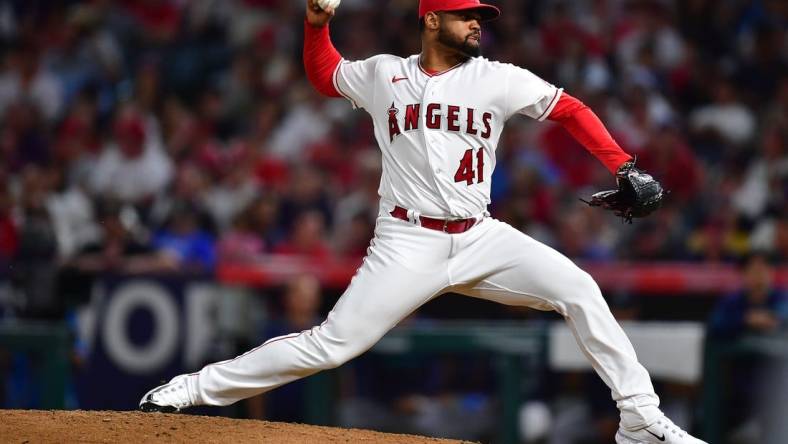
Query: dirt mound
[29, 426]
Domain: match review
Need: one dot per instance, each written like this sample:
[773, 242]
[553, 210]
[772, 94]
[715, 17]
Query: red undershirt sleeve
[584, 125]
[320, 59]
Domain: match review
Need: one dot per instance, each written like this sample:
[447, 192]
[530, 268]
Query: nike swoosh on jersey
[398, 79]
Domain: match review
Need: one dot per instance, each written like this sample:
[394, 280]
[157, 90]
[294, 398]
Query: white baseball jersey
[438, 133]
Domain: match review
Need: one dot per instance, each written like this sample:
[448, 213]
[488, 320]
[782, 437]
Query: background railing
[646, 278]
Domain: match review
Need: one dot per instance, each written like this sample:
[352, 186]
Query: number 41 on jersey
[466, 171]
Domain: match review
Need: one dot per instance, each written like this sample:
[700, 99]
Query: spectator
[23, 141]
[721, 238]
[158, 20]
[662, 237]
[307, 191]
[726, 118]
[87, 54]
[72, 213]
[185, 242]
[356, 212]
[116, 250]
[771, 236]
[669, 158]
[238, 87]
[777, 114]
[189, 186]
[301, 126]
[265, 218]
[762, 187]
[306, 238]
[241, 244]
[76, 143]
[759, 308]
[26, 80]
[354, 237]
[134, 167]
[363, 200]
[235, 188]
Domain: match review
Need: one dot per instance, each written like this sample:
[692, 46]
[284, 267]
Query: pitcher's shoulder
[378, 60]
[391, 59]
[492, 65]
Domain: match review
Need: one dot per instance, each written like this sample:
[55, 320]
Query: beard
[463, 46]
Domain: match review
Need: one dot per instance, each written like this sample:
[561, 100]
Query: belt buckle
[445, 225]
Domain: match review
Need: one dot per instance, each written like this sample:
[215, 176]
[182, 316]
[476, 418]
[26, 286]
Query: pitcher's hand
[316, 16]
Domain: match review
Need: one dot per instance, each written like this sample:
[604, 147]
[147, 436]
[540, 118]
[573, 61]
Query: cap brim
[488, 12]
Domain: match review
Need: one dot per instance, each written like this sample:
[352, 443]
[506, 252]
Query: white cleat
[661, 432]
[168, 398]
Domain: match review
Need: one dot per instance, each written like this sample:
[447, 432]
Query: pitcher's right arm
[320, 56]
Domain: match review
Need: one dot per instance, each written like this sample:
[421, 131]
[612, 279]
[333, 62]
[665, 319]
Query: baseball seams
[328, 4]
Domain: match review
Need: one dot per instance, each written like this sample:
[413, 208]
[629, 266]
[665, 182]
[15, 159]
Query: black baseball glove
[638, 194]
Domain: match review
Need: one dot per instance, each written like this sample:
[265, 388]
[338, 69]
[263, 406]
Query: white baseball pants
[408, 265]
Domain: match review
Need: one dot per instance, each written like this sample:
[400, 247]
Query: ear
[432, 21]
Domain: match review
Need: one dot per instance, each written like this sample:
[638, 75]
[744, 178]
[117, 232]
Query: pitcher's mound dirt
[38, 426]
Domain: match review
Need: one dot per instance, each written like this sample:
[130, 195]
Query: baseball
[328, 4]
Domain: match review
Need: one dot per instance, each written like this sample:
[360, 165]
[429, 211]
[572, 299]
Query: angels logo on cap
[488, 12]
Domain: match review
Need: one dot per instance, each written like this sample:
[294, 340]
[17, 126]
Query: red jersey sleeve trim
[321, 59]
[549, 110]
[335, 80]
[584, 125]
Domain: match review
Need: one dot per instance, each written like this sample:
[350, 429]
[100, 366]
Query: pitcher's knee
[339, 353]
[583, 292]
[334, 360]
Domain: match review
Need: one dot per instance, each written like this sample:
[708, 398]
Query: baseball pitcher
[438, 116]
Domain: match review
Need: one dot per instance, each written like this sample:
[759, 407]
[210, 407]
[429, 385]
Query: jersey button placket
[431, 141]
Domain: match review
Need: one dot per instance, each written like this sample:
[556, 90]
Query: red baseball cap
[488, 12]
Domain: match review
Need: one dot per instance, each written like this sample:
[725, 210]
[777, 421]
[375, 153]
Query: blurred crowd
[181, 133]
